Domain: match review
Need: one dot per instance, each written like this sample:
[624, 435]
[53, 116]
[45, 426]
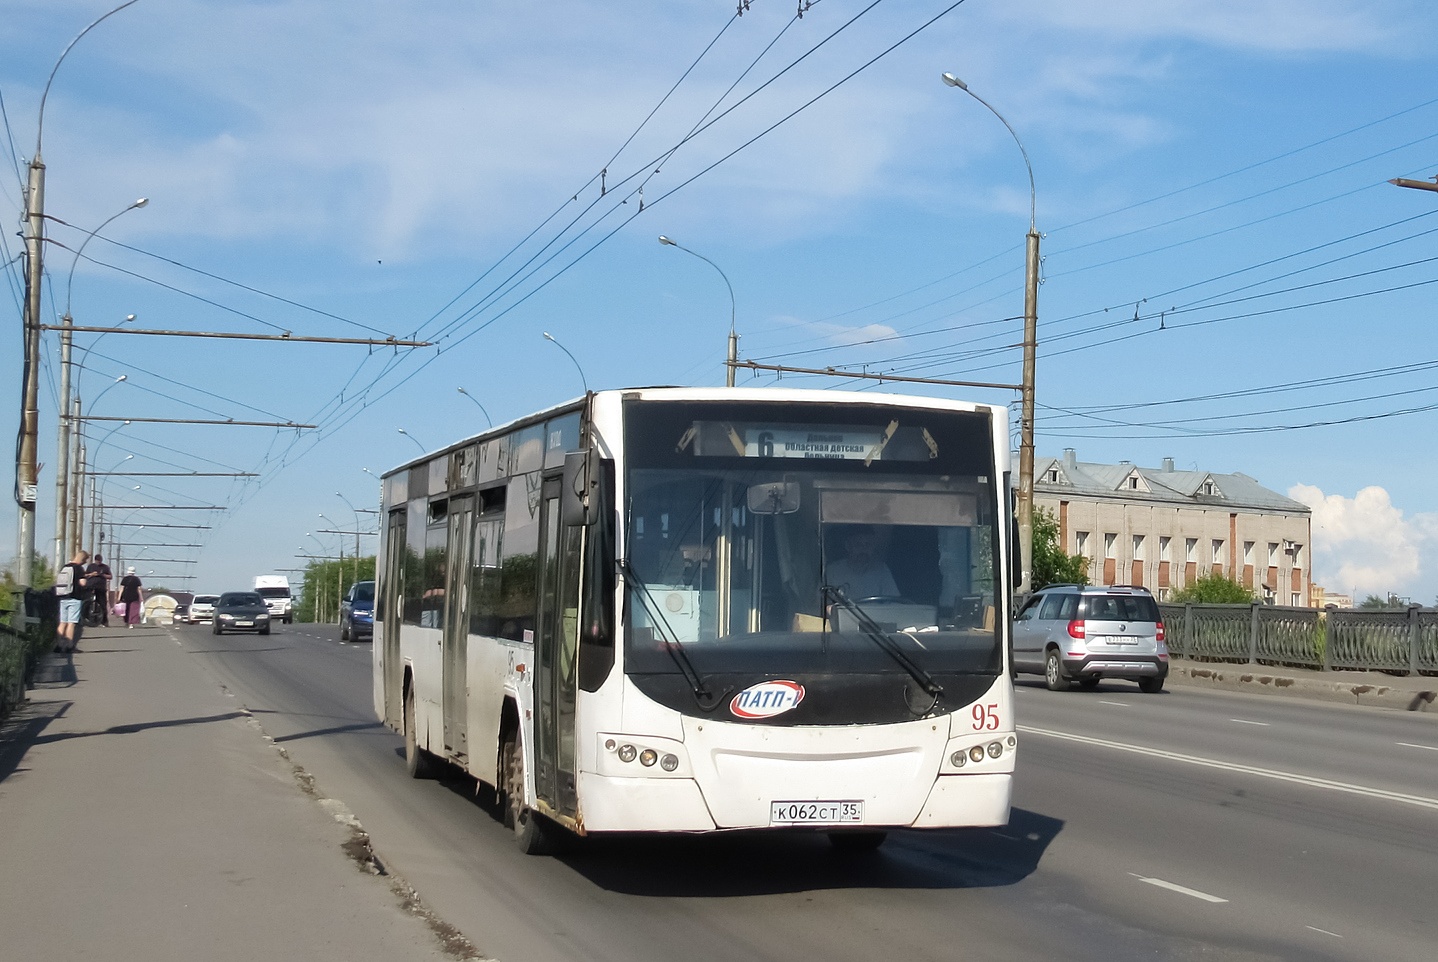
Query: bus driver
[861, 573]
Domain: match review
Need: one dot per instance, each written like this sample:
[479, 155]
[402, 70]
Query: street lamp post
[95, 502]
[733, 353]
[1031, 321]
[27, 469]
[414, 439]
[575, 361]
[478, 405]
[62, 467]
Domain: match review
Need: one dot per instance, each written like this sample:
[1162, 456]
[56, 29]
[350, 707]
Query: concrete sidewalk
[1415, 693]
[144, 816]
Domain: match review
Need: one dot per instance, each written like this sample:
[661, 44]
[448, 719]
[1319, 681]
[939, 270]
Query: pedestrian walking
[132, 596]
[70, 590]
[100, 576]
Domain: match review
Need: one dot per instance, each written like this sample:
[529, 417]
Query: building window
[1273, 554]
[1138, 547]
[1248, 553]
[1108, 543]
[1297, 555]
[1163, 548]
[1294, 600]
[1218, 551]
[1190, 550]
[1133, 483]
[1081, 543]
[1208, 488]
[1164, 593]
[1053, 476]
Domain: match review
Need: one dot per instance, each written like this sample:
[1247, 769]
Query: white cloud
[1364, 543]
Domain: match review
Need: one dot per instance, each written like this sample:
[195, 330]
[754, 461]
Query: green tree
[1052, 566]
[1390, 600]
[1213, 590]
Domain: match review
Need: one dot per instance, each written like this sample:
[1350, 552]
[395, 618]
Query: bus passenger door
[394, 574]
[456, 626]
[556, 645]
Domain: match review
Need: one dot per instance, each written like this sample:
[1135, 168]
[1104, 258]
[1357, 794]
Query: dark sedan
[241, 611]
[357, 612]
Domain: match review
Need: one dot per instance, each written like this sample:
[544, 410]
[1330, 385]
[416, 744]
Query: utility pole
[27, 468]
[62, 463]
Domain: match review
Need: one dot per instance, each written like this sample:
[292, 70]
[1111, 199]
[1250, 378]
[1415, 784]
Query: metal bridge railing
[1404, 641]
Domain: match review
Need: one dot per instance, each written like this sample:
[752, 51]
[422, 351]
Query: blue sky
[1228, 278]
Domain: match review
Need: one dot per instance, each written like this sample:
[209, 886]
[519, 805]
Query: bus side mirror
[578, 505]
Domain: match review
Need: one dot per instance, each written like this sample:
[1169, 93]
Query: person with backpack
[70, 590]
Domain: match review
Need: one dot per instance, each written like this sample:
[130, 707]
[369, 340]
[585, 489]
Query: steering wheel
[883, 600]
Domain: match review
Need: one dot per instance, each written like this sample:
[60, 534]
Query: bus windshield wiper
[882, 638]
[655, 611]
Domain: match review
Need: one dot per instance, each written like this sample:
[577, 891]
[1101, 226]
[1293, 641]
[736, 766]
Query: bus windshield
[761, 540]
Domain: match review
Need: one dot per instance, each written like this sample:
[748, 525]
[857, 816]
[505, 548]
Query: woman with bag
[132, 596]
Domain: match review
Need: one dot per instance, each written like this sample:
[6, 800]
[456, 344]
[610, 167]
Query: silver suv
[1071, 633]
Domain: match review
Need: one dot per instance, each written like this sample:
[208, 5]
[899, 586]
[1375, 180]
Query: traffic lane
[720, 897]
[1369, 748]
[1300, 872]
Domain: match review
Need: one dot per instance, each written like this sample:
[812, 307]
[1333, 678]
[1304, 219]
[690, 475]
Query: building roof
[1129, 482]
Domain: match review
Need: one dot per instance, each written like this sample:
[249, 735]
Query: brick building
[1164, 528]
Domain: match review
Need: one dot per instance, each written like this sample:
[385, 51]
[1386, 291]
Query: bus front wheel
[530, 832]
[418, 762]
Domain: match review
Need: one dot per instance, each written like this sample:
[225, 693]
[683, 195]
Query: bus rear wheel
[530, 831]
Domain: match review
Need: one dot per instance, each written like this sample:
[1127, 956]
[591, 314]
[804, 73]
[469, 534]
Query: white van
[275, 589]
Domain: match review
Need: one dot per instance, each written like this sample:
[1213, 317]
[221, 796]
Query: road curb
[1258, 679]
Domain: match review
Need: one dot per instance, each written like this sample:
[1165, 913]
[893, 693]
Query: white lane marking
[1426, 748]
[1309, 780]
[1323, 931]
[1181, 889]
[1116, 704]
[1245, 721]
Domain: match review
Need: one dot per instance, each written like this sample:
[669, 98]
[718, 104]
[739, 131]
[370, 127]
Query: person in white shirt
[861, 573]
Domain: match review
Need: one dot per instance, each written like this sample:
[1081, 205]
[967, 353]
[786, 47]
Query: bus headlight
[977, 753]
[627, 753]
[669, 762]
[648, 757]
[958, 759]
[996, 749]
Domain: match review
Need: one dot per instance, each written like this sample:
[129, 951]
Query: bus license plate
[815, 813]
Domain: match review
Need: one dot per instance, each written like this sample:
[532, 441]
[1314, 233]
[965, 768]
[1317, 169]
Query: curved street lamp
[27, 468]
[733, 356]
[1031, 322]
[414, 439]
[582, 379]
[478, 405]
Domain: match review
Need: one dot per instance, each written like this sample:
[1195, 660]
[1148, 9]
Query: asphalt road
[1187, 825]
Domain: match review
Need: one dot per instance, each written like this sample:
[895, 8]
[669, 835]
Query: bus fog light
[977, 753]
[669, 762]
[996, 749]
[958, 758]
[1012, 741]
[648, 757]
[627, 753]
[609, 744]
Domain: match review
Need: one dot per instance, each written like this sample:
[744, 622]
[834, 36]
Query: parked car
[1071, 633]
[242, 611]
[357, 612]
[202, 609]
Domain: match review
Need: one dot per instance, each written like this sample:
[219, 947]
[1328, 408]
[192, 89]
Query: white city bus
[699, 610]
